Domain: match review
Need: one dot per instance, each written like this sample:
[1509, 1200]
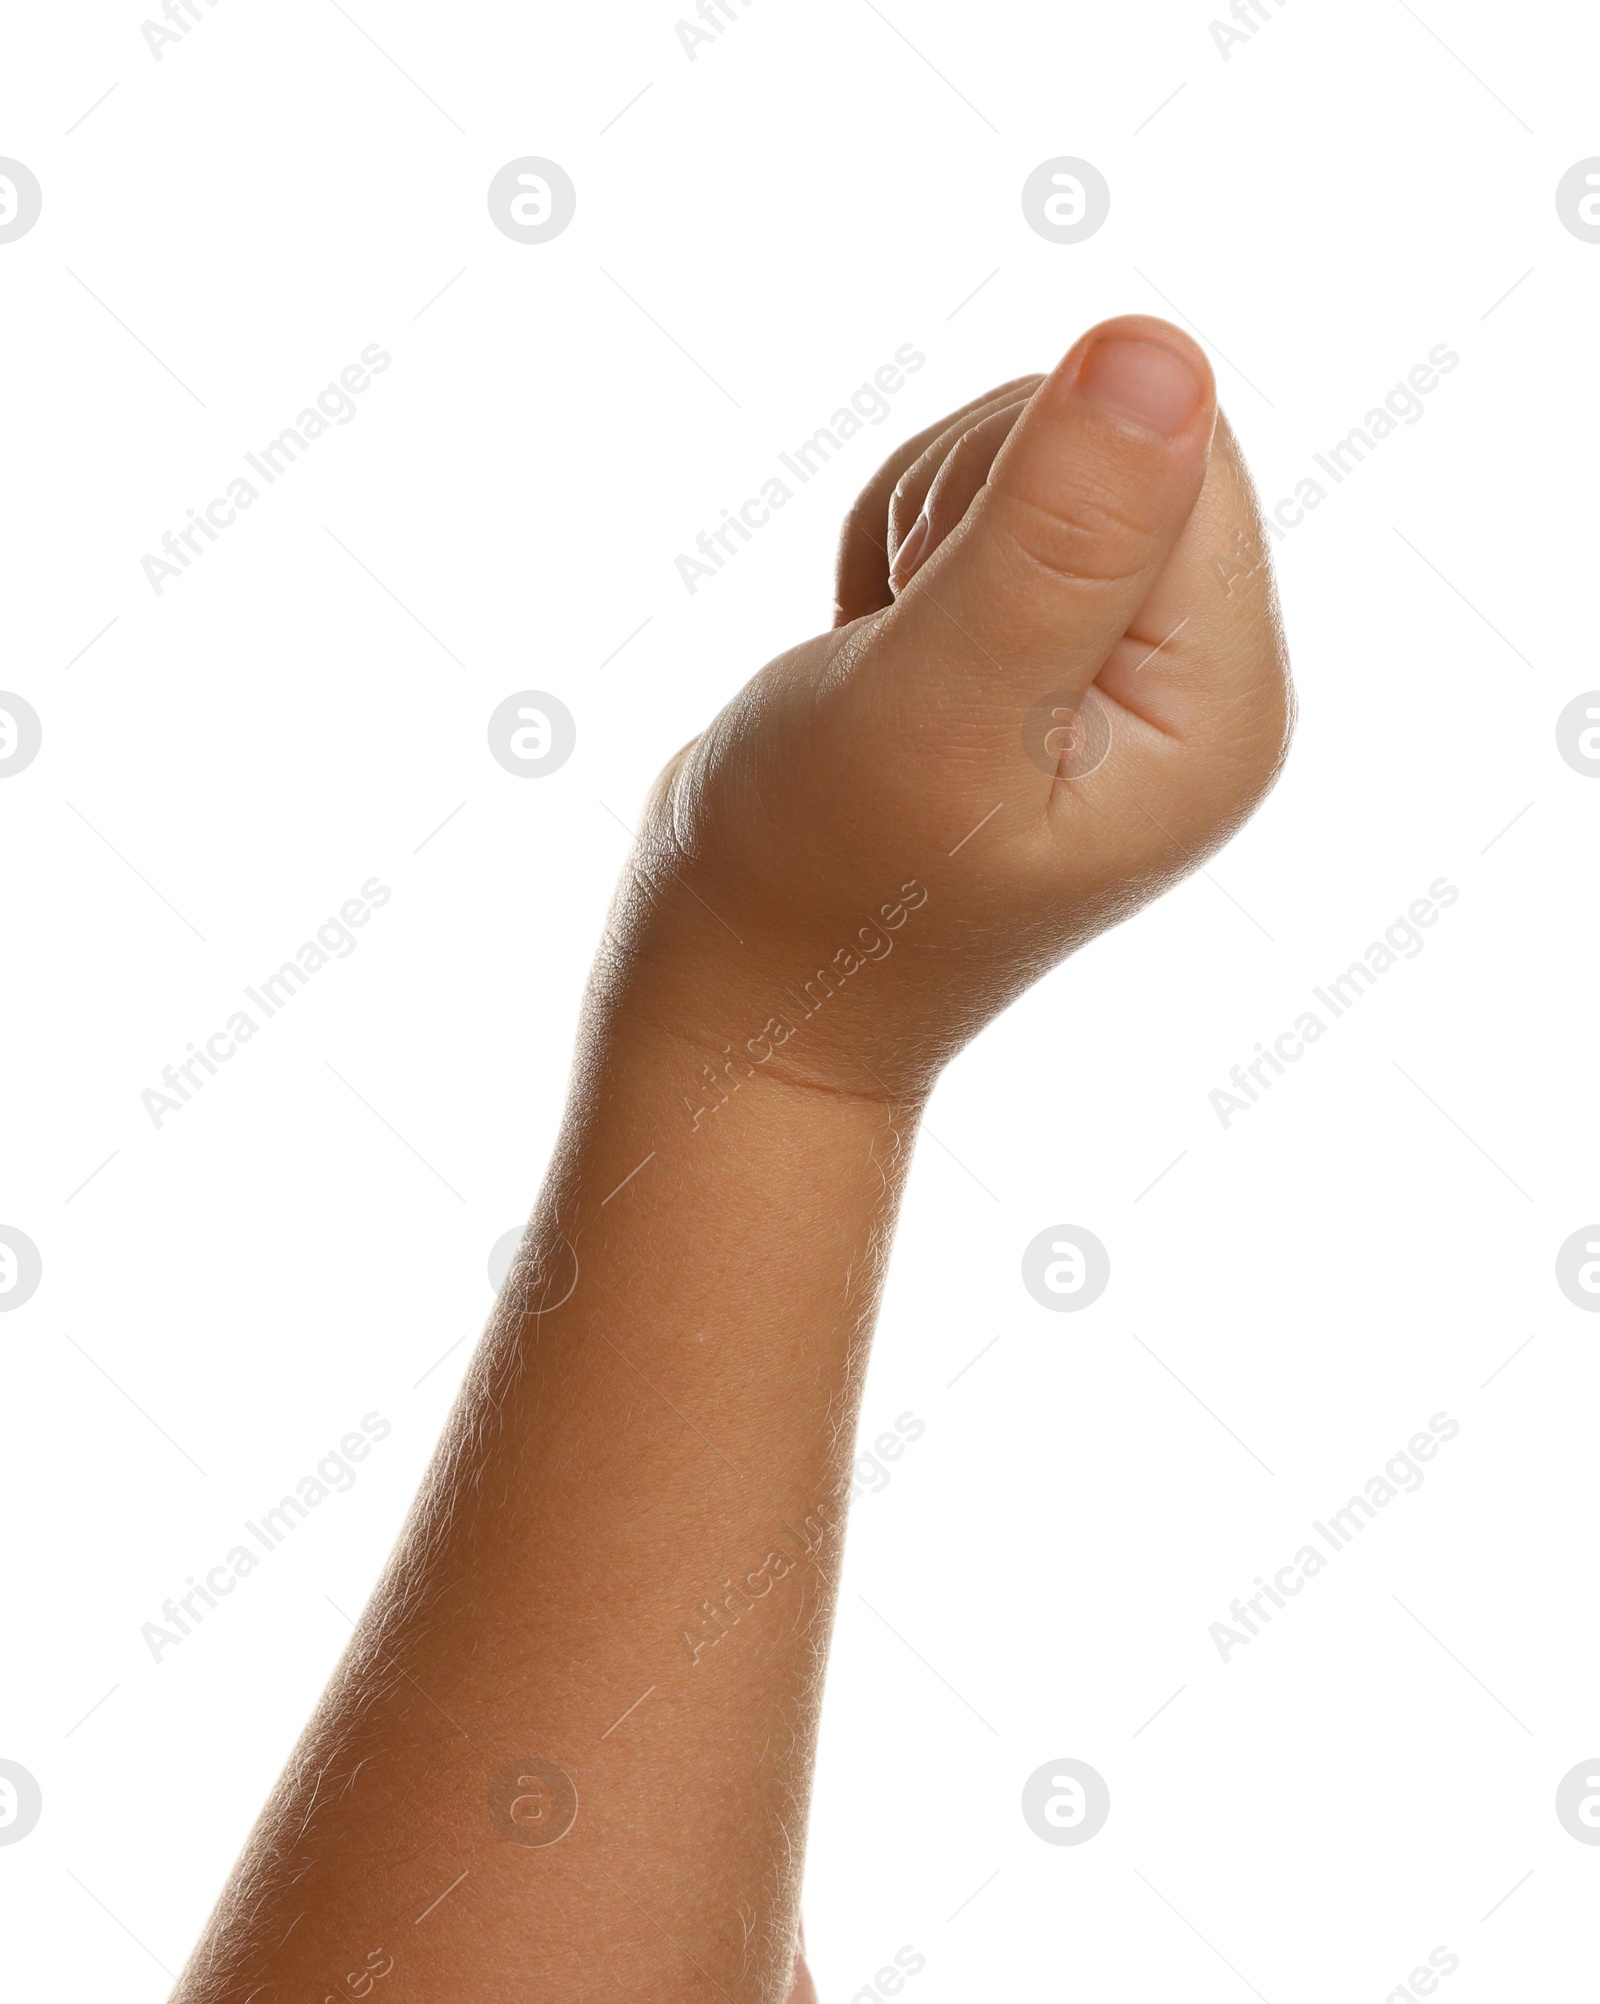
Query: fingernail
[905, 558]
[1145, 381]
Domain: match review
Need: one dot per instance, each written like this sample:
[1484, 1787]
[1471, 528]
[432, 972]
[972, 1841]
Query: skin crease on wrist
[856, 866]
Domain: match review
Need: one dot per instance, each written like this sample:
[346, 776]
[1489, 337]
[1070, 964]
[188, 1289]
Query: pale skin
[640, 1489]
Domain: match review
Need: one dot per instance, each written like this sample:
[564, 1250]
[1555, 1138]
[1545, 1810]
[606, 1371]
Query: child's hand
[1049, 709]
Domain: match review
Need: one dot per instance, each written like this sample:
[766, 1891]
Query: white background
[228, 762]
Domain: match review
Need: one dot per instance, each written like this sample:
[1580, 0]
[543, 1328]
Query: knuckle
[977, 441]
[904, 506]
[959, 478]
[1087, 535]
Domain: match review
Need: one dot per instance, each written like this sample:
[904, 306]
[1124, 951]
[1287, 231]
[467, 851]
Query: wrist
[695, 1034]
[825, 1005]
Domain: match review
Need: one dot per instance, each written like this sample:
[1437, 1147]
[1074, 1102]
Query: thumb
[1079, 513]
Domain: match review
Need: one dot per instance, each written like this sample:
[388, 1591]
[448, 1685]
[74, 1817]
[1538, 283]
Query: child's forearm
[569, 1753]
[636, 1516]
